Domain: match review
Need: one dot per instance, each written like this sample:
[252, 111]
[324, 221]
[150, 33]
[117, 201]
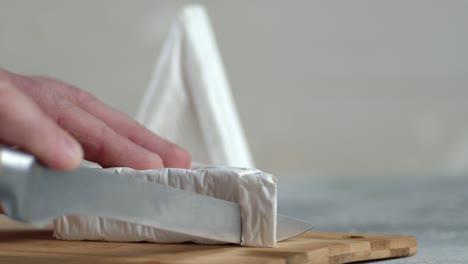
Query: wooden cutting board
[23, 244]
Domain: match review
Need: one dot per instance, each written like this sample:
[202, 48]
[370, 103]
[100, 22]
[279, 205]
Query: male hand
[60, 124]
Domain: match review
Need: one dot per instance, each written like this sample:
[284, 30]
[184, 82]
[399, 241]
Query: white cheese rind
[254, 190]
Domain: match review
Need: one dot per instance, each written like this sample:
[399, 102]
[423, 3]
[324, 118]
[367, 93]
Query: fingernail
[72, 151]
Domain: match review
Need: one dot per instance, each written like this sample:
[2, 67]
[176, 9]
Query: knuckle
[27, 83]
[80, 96]
[6, 83]
[99, 139]
[61, 111]
[40, 91]
[60, 94]
[9, 95]
[12, 81]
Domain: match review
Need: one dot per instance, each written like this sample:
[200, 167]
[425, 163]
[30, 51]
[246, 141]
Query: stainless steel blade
[35, 194]
[288, 227]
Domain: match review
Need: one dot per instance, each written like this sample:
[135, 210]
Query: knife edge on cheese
[231, 205]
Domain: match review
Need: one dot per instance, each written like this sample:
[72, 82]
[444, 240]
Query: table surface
[432, 208]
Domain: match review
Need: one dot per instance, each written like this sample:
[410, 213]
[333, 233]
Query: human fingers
[171, 154]
[102, 144]
[23, 124]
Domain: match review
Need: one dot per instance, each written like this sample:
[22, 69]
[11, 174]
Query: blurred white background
[322, 87]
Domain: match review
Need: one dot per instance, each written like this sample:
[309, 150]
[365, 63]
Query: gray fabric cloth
[432, 208]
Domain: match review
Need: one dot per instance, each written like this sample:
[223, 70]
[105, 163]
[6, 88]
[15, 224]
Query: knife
[35, 194]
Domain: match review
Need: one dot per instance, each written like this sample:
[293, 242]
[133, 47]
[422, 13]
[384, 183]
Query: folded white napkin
[189, 102]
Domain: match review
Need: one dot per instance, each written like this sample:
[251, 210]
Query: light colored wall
[330, 87]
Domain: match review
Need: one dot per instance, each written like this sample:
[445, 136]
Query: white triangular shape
[189, 101]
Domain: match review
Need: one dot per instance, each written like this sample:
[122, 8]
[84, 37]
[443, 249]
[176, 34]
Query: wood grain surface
[23, 244]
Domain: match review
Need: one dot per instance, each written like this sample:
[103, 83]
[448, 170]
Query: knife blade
[35, 194]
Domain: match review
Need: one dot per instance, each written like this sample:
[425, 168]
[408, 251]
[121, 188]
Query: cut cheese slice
[254, 190]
